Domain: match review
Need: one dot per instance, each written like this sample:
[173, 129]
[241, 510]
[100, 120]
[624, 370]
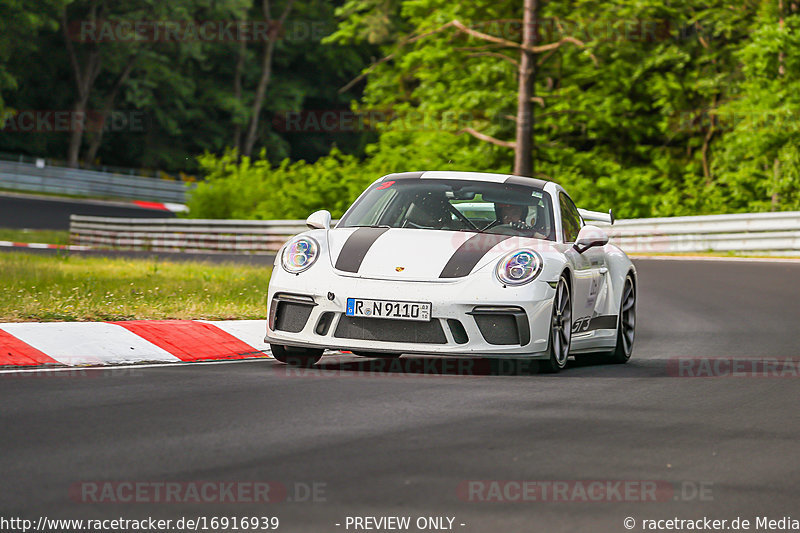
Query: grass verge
[72, 288]
[46, 236]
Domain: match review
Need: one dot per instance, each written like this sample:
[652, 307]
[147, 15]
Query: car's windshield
[455, 205]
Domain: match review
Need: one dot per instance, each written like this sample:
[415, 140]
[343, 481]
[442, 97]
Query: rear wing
[597, 216]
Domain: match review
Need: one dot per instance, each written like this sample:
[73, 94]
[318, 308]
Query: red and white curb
[161, 206]
[137, 341]
[42, 246]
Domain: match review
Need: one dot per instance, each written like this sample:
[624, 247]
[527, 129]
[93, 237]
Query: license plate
[397, 310]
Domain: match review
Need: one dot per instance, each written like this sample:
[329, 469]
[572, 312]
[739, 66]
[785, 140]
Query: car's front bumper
[308, 310]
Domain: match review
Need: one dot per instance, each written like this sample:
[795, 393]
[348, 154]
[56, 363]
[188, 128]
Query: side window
[570, 219]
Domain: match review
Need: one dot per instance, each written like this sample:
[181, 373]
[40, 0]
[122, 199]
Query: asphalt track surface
[401, 443]
[44, 212]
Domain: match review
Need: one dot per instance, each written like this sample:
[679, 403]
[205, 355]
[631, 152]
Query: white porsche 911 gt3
[454, 263]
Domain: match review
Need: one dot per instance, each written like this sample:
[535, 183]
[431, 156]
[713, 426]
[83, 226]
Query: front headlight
[299, 254]
[518, 268]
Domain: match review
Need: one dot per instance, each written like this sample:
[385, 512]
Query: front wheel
[560, 329]
[302, 357]
[626, 324]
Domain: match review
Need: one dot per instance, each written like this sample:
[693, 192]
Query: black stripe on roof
[403, 176]
[528, 182]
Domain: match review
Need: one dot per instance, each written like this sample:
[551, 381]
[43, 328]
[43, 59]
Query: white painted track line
[25, 370]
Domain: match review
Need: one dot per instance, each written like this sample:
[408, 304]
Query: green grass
[72, 288]
[46, 236]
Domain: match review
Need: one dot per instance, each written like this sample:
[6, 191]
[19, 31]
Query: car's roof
[468, 176]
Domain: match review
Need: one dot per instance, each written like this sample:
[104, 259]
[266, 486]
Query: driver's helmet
[515, 212]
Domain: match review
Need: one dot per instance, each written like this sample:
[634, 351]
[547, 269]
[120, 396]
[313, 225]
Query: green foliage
[256, 190]
[182, 90]
[646, 114]
[19, 21]
[653, 108]
[758, 161]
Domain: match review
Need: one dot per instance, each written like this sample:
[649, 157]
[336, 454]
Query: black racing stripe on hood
[356, 247]
[468, 254]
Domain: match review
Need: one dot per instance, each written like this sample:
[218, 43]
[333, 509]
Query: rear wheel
[626, 324]
[560, 329]
[303, 357]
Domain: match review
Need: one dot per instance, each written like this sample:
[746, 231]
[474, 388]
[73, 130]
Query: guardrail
[769, 233]
[59, 180]
[183, 235]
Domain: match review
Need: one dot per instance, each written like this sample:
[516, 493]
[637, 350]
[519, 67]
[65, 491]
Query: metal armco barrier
[183, 235]
[60, 180]
[770, 233]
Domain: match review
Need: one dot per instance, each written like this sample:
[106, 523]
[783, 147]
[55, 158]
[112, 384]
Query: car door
[589, 267]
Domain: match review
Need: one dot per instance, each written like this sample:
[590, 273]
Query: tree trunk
[97, 138]
[237, 94]
[84, 81]
[77, 123]
[776, 174]
[258, 102]
[266, 74]
[776, 167]
[523, 152]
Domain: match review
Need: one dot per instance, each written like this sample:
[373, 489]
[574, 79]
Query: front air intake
[387, 330]
[502, 325]
[290, 312]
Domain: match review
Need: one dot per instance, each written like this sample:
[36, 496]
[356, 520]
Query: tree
[758, 159]
[266, 70]
[20, 23]
[529, 51]
[620, 91]
[523, 148]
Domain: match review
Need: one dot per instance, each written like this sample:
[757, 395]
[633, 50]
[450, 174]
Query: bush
[256, 190]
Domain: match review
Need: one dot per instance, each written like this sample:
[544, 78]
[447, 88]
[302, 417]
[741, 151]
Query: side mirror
[319, 220]
[589, 237]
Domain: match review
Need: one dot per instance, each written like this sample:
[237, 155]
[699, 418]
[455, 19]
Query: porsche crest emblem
[399, 269]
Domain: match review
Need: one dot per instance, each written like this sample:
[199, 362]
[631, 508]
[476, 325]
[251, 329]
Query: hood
[416, 255]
